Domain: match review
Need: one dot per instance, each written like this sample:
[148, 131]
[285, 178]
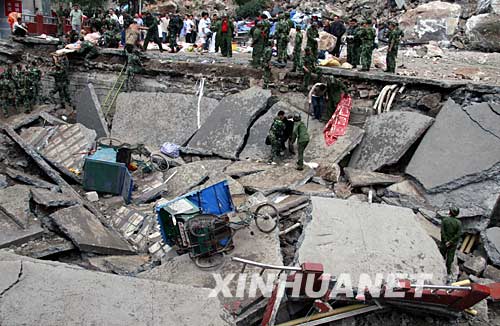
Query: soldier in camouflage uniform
[8, 76]
[266, 63]
[4, 95]
[367, 37]
[353, 43]
[36, 79]
[134, 66]
[312, 39]
[61, 85]
[174, 28]
[282, 32]
[276, 135]
[152, 33]
[22, 88]
[266, 28]
[309, 68]
[393, 39]
[88, 51]
[258, 45]
[297, 49]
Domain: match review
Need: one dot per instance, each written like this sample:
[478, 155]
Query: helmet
[454, 211]
[297, 117]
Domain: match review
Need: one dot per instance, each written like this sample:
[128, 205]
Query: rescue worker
[216, 25]
[353, 43]
[61, 20]
[134, 66]
[266, 27]
[258, 45]
[174, 29]
[289, 21]
[451, 231]
[61, 85]
[22, 87]
[225, 34]
[309, 68]
[276, 134]
[152, 33]
[88, 50]
[300, 135]
[297, 49]
[367, 38]
[266, 63]
[111, 38]
[334, 90]
[312, 39]
[4, 95]
[282, 32]
[394, 36]
[36, 78]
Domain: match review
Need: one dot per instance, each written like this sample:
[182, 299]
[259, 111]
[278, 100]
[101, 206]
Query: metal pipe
[441, 287]
[334, 312]
[266, 266]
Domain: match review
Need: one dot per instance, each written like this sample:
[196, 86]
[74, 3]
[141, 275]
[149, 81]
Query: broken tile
[360, 178]
[88, 233]
[89, 112]
[225, 130]
[353, 237]
[279, 178]
[388, 136]
[165, 117]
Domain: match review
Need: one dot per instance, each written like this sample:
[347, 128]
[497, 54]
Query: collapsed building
[370, 203]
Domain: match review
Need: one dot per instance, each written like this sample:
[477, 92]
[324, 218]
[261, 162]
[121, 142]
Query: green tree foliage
[250, 8]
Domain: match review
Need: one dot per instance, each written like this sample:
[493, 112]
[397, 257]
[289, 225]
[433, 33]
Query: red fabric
[224, 26]
[339, 121]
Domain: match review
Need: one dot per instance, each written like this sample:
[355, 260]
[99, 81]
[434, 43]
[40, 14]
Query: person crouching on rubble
[451, 231]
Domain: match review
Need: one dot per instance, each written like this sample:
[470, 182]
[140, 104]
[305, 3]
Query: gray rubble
[387, 138]
[475, 265]
[112, 300]
[17, 223]
[121, 265]
[49, 198]
[317, 150]
[279, 178]
[491, 242]
[242, 168]
[88, 233]
[492, 273]
[360, 178]
[29, 179]
[89, 112]
[162, 117]
[47, 245]
[313, 189]
[225, 130]
[354, 237]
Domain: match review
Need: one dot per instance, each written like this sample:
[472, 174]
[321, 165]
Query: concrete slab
[249, 244]
[360, 178]
[10, 275]
[108, 299]
[49, 198]
[491, 243]
[318, 151]
[314, 189]
[89, 112]
[121, 265]
[48, 244]
[242, 168]
[355, 237]
[29, 179]
[17, 223]
[88, 233]
[388, 136]
[225, 130]
[156, 118]
[467, 153]
[279, 178]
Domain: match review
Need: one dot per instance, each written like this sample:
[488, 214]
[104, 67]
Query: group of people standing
[20, 87]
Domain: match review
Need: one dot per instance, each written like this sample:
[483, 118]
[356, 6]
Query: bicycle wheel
[266, 217]
[159, 162]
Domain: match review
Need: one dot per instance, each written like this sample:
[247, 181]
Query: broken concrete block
[88, 233]
[287, 204]
[89, 112]
[163, 117]
[354, 237]
[45, 246]
[92, 196]
[360, 178]
[225, 130]
[451, 177]
[313, 189]
[387, 138]
[3, 181]
[17, 223]
[317, 150]
[406, 188]
[109, 299]
[186, 177]
[328, 171]
[491, 243]
[475, 265]
[241, 168]
[279, 178]
[29, 179]
[121, 265]
[433, 230]
[492, 273]
[49, 198]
